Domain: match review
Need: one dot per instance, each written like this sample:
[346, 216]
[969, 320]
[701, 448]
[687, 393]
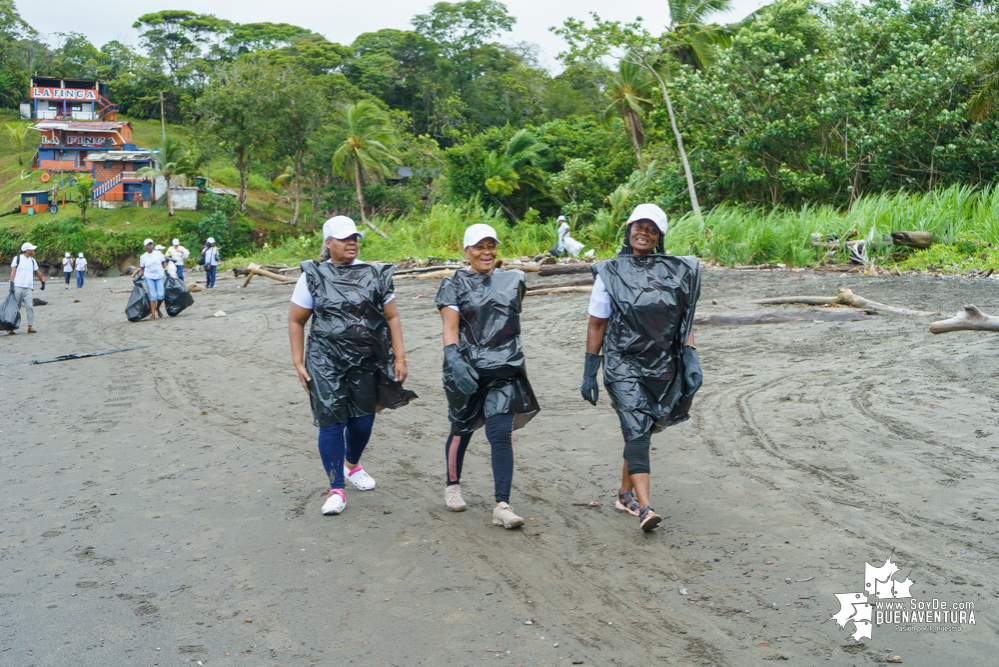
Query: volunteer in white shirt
[22, 282]
[559, 250]
[177, 253]
[152, 268]
[211, 255]
[81, 270]
[67, 267]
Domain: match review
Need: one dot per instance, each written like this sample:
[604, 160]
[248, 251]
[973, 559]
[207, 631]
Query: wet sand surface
[162, 506]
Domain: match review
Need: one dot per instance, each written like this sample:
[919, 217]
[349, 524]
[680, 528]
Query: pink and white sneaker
[335, 503]
[361, 480]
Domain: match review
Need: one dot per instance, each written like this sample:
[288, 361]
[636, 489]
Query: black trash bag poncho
[10, 314]
[176, 295]
[137, 307]
[654, 298]
[489, 340]
[349, 350]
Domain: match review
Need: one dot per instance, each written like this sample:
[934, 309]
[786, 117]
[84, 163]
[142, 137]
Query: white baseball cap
[67, 255]
[176, 242]
[561, 218]
[147, 242]
[81, 255]
[476, 233]
[211, 239]
[27, 246]
[650, 212]
[159, 247]
[340, 227]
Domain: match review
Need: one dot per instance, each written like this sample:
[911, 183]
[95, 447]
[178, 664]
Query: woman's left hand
[401, 371]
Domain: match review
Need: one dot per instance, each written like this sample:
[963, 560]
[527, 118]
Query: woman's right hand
[303, 377]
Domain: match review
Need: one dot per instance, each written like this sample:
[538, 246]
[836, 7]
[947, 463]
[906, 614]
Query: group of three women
[354, 363]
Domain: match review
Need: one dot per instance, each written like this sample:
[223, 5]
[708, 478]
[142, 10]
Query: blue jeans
[210, 269]
[79, 278]
[180, 271]
[67, 274]
[349, 437]
[155, 288]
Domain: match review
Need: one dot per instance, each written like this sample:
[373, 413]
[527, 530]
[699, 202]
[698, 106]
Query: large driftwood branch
[568, 283]
[781, 317]
[563, 269]
[913, 239]
[969, 319]
[844, 297]
[255, 270]
[577, 289]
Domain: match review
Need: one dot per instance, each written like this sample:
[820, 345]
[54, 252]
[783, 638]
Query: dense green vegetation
[802, 118]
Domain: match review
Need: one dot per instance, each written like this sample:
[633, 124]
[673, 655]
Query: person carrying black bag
[641, 315]
[22, 279]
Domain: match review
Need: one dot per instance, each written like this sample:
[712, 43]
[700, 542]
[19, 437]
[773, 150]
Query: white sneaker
[335, 503]
[453, 499]
[361, 480]
[503, 516]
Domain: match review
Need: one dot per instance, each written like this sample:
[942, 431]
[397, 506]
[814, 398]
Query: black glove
[590, 390]
[463, 375]
[691, 369]
[43, 285]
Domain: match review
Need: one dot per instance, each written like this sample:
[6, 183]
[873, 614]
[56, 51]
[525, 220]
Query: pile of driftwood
[273, 272]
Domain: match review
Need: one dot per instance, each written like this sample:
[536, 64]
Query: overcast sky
[339, 20]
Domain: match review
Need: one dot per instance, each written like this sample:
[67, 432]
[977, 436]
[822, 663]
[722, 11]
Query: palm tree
[17, 132]
[172, 159]
[366, 150]
[517, 164]
[289, 180]
[631, 97]
[983, 101]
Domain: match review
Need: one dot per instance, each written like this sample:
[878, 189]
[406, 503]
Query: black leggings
[499, 432]
[636, 453]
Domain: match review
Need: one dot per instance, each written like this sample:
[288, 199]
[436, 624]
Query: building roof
[82, 125]
[119, 156]
[35, 192]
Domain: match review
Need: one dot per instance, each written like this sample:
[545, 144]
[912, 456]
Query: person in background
[152, 268]
[23, 282]
[211, 254]
[558, 250]
[67, 267]
[177, 253]
[81, 270]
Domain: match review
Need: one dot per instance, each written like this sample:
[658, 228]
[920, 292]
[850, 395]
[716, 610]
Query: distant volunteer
[354, 361]
[81, 270]
[210, 253]
[177, 253]
[485, 376]
[559, 249]
[152, 268]
[23, 270]
[641, 316]
[67, 268]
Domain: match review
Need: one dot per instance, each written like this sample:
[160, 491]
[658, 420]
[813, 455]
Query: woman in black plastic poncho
[641, 314]
[484, 375]
[355, 363]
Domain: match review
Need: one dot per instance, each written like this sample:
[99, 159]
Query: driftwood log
[969, 319]
[563, 269]
[421, 269]
[785, 317]
[568, 283]
[255, 270]
[576, 289]
[912, 239]
[844, 297]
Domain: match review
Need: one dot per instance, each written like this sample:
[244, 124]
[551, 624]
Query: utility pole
[162, 119]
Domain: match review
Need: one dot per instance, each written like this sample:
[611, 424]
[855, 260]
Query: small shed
[34, 201]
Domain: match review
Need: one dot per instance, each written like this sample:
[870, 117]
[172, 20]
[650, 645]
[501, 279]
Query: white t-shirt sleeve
[303, 297]
[600, 301]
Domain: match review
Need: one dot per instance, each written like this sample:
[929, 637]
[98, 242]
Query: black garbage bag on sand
[176, 295]
[137, 307]
[490, 345]
[649, 375]
[349, 353]
[10, 314]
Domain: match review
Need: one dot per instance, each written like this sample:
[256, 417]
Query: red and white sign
[77, 140]
[76, 94]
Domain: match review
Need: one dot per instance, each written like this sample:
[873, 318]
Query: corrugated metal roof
[119, 156]
[82, 125]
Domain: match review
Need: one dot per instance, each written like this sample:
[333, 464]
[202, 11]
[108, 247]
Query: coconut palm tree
[518, 163]
[692, 40]
[171, 159]
[17, 132]
[367, 150]
[983, 101]
[630, 92]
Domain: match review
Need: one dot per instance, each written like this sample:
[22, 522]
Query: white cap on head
[147, 242]
[81, 255]
[561, 218]
[27, 246]
[650, 212]
[159, 247]
[476, 233]
[176, 242]
[211, 239]
[67, 255]
[340, 227]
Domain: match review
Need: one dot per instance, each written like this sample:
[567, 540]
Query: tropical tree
[630, 92]
[518, 163]
[17, 132]
[983, 101]
[171, 159]
[367, 150]
[84, 189]
[290, 181]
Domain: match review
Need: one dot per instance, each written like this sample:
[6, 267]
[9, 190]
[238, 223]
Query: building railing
[131, 176]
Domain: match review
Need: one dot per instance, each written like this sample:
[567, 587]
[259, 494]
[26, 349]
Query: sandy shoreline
[163, 498]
